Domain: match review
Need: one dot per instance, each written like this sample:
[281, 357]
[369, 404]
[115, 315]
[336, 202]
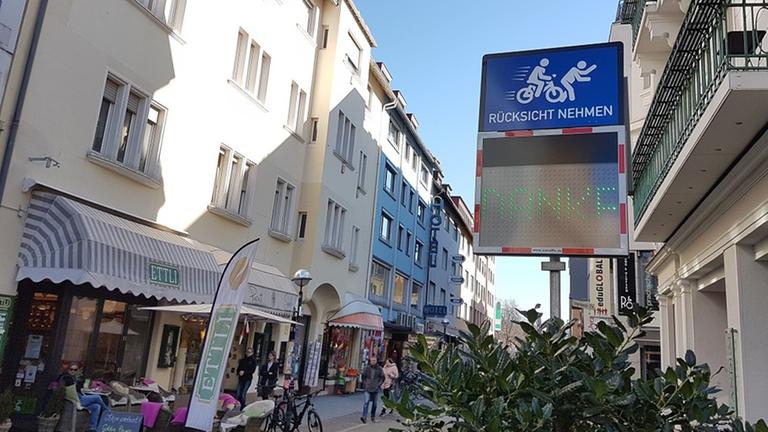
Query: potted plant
[7, 405]
[49, 416]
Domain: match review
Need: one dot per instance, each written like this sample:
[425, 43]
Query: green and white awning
[66, 240]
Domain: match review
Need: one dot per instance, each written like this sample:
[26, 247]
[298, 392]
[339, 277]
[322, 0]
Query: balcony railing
[717, 36]
[631, 12]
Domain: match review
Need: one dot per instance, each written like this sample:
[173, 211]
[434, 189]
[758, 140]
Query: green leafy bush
[555, 382]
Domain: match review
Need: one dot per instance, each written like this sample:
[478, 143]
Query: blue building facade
[400, 251]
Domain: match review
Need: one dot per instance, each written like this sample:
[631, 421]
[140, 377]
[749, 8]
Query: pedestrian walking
[268, 376]
[373, 378]
[245, 369]
[390, 375]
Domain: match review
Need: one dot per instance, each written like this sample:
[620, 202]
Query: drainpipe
[21, 97]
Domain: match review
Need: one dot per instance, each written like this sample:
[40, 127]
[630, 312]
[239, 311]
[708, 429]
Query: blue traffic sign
[552, 89]
[435, 311]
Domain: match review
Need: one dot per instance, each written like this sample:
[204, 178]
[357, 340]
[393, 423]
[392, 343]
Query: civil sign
[435, 310]
[457, 279]
[457, 300]
[459, 259]
[553, 88]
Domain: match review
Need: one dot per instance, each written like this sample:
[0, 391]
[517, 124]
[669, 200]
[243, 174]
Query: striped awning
[358, 313]
[66, 240]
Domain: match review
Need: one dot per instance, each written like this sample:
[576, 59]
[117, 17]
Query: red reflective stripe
[623, 216]
[578, 251]
[479, 166]
[582, 130]
[477, 218]
[622, 162]
[523, 133]
[516, 250]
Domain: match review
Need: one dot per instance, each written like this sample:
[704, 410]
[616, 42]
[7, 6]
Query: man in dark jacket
[245, 369]
[373, 378]
[268, 376]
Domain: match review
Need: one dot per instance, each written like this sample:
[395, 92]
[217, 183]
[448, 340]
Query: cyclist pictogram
[540, 83]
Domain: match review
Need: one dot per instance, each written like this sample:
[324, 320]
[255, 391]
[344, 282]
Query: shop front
[352, 334]
[84, 277]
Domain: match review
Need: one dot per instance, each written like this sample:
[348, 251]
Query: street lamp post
[445, 328]
[301, 278]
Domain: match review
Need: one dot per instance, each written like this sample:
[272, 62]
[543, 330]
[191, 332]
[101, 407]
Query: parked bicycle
[290, 411]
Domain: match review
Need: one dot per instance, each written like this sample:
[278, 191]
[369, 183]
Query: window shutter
[110, 90]
[133, 102]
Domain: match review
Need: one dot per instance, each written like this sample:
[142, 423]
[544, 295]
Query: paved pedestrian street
[342, 413]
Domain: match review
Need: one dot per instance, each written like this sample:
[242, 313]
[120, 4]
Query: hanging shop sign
[435, 222]
[600, 283]
[626, 289]
[497, 321]
[435, 311]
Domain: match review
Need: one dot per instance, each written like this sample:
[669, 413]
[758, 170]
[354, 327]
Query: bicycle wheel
[314, 424]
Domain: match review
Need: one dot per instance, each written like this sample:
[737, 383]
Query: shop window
[82, 318]
[110, 333]
[398, 295]
[137, 335]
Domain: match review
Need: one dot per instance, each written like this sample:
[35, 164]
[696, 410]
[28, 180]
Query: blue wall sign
[435, 311]
[553, 88]
[436, 221]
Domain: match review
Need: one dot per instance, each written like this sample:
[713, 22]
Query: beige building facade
[698, 103]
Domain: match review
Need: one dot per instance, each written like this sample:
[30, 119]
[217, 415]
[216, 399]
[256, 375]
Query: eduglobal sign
[554, 88]
[435, 222]
[600, 282]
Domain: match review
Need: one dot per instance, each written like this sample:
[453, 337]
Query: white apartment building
[479, 288]
[698, 100]
[154, 139]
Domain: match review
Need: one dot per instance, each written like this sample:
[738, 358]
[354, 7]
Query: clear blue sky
[434, 49]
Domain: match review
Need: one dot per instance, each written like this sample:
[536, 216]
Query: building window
[309, 16]
[424, 175]
[407, 152]
[398, 294]
[296, 107]
[393, 135]
[369, 100]
[334, 226]
[415, 161]
[121, 136]
[345, 139]
[362, 168]
[403, 193]
[379, 279]
[251, 69]
[400, 237]
[420, 212]
[302, 228]
[431, 293]
[313, 133]
[410, 201]
[326, 31]
[418, 252]
[355, 242]
[281, 207]
[234, 175]
[445, 259]
[389, 180]
[442, 296]
[408, 237]
[455, 233]
[415, 295]
[386, 227]
[354, 52]
[169, 12]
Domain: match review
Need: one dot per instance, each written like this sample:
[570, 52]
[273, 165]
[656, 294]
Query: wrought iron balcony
[716, 37]
[631, 12]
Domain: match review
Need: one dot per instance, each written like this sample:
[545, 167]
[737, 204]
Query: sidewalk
[342, 414]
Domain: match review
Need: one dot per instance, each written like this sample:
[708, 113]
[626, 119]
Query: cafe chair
[74, 417]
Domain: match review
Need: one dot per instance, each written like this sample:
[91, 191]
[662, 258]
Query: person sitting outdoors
[71, 381]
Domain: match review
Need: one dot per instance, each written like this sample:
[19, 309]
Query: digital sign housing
[552, 155]
[552, 193]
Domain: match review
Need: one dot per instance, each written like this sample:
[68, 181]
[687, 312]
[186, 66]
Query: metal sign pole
[554, 266]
